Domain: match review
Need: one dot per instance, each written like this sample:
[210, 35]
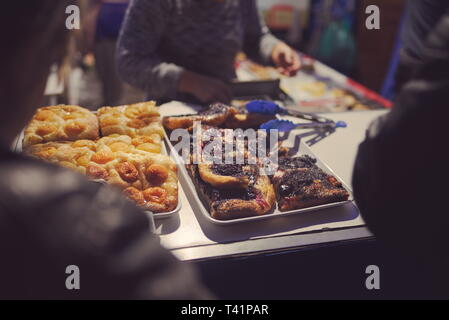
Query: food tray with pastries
[120, 146]
[245, 191]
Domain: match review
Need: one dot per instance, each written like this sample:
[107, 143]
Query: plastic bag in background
[332, 39]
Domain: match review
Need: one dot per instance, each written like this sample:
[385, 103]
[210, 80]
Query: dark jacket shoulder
[51, 218]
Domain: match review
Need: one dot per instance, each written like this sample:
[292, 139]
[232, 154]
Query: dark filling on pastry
[232, 170]
[246, 194]
[297, 182]
[216, 108]
[236, 170]
[216, 195]
[296, 163]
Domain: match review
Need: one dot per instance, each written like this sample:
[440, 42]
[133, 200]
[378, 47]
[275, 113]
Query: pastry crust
[72, 155]
[300, 184]
[61, 123]
[141, 119]
[149, 179]
[216, 115]
[225, 204]
[263, 204]
[240, 119]
[138, 145]
[217, 176]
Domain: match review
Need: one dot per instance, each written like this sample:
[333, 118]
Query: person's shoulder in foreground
[401, 171]
[51, 218]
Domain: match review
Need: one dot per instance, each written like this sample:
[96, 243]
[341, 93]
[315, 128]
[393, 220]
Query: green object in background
[337, 47]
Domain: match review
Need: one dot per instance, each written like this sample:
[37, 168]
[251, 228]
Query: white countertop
[191, 236]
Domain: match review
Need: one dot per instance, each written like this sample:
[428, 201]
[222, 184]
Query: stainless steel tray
[189, 187]
[17, 147]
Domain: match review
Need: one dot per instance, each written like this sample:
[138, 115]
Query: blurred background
[331, 31]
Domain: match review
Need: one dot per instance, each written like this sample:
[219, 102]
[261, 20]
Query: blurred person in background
[50, 217]
[103, 21]
[186, 49]
[421, 18]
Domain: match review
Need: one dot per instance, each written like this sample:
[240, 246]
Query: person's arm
[261, 46]
[139, 62]
[400, 176]
[90, 11]
[258, 42]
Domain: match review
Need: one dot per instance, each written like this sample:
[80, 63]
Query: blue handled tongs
[271, 108]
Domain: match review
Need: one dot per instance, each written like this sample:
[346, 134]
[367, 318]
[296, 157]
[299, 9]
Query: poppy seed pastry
[300, 184]
[257, 199]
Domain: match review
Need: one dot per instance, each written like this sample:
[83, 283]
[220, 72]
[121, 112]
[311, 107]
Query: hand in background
[204, 88]
[285, 59]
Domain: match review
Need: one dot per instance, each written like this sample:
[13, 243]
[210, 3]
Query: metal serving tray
[17, 147]
[303, 149]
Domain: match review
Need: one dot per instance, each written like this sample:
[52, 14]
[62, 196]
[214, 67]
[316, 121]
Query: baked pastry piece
[226, 176]
[147, 178]
[216, 115]
[141, 119]
[138, 144]
[150, 180]
[219, 115]
[299, 184]
[79, 154]
[72, 155]
[241, 119]
[229, 190]
[258, 198]
[61, 123]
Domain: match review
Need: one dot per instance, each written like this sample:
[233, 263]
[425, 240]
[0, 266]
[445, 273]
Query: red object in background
[280, 17]
[369, 94]
[309, 62]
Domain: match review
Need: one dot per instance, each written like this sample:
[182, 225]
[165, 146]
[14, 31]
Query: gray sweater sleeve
[138, 61]
[258, 42]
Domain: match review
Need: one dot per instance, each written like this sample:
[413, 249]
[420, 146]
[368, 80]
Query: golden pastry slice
[157, 190]
[139, 144]
[149, 179]
[61, 123]
[141, 119]
[73, 155]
